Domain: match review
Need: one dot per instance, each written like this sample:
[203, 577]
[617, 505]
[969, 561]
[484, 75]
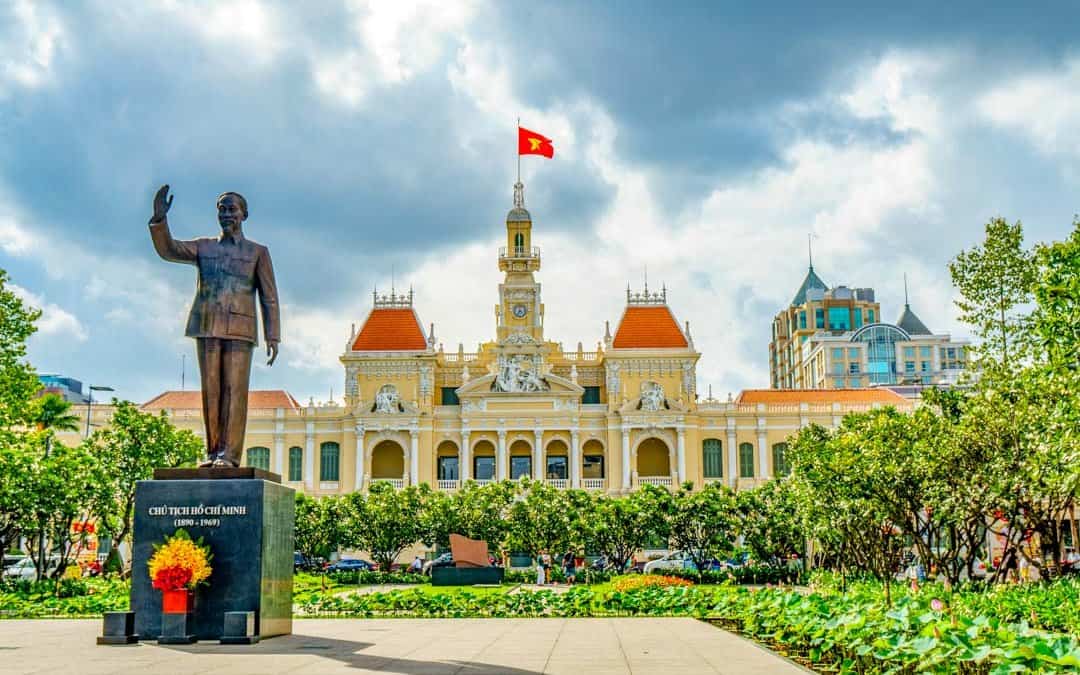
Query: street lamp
[90, 402]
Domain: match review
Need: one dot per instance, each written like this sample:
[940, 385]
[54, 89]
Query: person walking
[569, 567]
[416, 566]
[539, 569]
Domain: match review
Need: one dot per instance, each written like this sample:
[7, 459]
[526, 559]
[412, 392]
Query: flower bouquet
[176, 568]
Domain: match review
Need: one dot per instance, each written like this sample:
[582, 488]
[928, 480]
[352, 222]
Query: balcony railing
[659, 481]
[483, 481]
[560, 483]
[593, 483]
[448, 484]
[396, 483]
[519, 252]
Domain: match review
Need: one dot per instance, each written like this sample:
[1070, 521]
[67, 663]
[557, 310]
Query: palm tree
[51, 413]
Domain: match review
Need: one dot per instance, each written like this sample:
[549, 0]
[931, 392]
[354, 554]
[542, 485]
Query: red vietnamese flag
[532, 143]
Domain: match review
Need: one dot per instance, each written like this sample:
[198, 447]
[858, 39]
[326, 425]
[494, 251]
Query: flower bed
[635, 581]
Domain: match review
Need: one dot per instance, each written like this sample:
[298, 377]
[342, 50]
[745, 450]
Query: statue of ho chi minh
[232, 269]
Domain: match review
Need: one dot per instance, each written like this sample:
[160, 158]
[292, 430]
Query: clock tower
[519, 311]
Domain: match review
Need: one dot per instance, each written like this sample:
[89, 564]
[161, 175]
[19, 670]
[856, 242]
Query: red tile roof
[390, 329]
[192, 400]
[648, 327]
[822, 396]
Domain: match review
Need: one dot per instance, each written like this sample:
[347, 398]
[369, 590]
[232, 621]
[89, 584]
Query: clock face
[520, 310]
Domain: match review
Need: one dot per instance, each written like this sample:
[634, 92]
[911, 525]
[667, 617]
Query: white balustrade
[396, 483]
[659, 481]
[593, 483]
[560, 483]
[447, 484]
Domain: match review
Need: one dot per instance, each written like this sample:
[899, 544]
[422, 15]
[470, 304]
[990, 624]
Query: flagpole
[519, 150]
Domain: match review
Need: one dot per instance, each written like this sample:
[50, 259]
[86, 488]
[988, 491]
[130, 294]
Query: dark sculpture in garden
[232, 269]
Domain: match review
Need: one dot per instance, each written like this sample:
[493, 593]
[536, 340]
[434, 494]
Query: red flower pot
[177, 602]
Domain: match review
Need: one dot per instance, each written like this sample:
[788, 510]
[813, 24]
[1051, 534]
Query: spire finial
[646, 279]
[906, 304]
[519, 195]
[810, 248]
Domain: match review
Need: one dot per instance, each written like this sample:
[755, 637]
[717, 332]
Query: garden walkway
[408, 647]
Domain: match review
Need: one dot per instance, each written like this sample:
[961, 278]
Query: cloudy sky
[377, 138]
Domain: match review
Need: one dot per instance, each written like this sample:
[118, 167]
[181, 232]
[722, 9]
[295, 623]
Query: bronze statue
[222, 320]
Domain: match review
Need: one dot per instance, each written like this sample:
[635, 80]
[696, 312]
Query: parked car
[25, 569]
[676, 560]
[444, 560]
[302, 562]
[350, 565]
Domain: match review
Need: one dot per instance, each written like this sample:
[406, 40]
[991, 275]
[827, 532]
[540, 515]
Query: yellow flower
[180, 551]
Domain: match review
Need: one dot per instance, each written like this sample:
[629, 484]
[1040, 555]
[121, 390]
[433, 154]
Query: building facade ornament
[519, 374]
[652, 397]
[387, 400]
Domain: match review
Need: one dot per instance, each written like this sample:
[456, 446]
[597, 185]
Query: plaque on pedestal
[248, 524]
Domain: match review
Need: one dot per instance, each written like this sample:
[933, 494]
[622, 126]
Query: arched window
[712, 458]
[296, 463]
[779, 460]
[519, 243]
[746, 460]
[329, 452]
[259, 458]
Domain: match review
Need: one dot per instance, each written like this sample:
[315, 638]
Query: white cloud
[55, 320]
[1042, 107]
[29, 46]
[14, 239]
[395, 41]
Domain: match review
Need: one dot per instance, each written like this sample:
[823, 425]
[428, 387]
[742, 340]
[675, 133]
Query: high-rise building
[835, 339]
[815, 310]
[67, 388]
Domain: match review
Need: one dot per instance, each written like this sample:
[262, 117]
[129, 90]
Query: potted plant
[176, 568]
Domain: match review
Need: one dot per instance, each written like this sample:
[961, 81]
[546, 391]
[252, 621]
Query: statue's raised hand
[162, 202]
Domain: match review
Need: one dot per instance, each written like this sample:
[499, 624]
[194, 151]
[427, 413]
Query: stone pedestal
[466, 576]
[246, 519]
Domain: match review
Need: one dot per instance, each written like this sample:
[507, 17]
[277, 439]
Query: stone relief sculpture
[514, 377]
[652, 396]
[387, 400]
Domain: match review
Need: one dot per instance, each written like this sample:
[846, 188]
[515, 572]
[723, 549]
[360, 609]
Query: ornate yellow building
[625, 415]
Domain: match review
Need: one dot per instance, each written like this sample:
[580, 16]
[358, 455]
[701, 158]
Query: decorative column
[359, 429]
[500, 456]
[575, 460]
[763, 451]
[733, 455]
[466, 456]
[414, 455]
[680, 456]
[278, 466]
[626, 459]
[309, 456]
[538, 454]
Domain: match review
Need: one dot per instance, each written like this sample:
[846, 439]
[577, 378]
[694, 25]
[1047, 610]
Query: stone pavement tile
[404, 647]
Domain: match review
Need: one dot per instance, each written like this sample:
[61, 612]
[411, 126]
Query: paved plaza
[406, 646]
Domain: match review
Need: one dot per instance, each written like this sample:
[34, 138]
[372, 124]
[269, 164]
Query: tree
[63, 485]
[18, 381]
[616, 527]
[541, 518]
[836, 500]
[1056, 318]
[769, 522]
[385, 522]
[51, 413]
[703, 523]
[318, 529]
[995, 282]
[475, 511]
[127, 451]
[17, 503]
